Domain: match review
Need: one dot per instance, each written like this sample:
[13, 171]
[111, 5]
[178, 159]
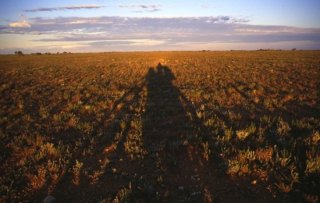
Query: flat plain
[233, 126]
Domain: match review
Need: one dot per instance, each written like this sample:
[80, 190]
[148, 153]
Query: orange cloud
[20, 24]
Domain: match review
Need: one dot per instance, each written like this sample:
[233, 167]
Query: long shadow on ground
[158, 155]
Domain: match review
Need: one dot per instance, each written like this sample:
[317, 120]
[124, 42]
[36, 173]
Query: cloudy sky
[128, 25]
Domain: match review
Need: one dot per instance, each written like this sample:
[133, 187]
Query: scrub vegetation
[237, 126]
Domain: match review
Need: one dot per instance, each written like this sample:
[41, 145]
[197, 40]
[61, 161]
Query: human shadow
[168, 132]
[165, 119]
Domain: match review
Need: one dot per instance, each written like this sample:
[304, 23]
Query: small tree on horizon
[19, 53]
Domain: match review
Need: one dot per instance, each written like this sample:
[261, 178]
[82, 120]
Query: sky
[127, 25]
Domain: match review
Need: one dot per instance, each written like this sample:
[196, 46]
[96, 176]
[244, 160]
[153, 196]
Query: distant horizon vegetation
[21, 53]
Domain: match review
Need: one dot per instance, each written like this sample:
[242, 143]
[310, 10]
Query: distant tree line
[20, 53]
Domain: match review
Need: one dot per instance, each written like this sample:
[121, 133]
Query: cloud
[74, 7]
[20, 24]
[130, 42]
[145, 33]
[142, 7]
